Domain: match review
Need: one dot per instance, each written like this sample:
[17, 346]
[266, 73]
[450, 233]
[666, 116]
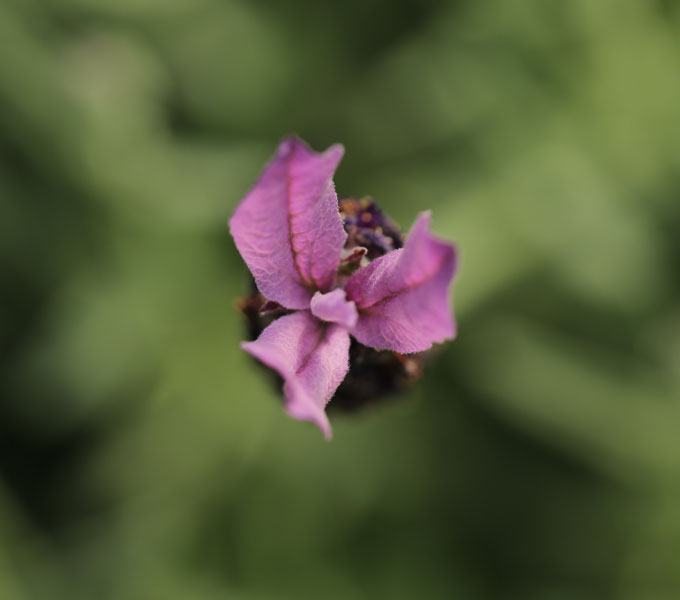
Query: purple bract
[290, 233]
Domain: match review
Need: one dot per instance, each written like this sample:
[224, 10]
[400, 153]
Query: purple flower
[290, 233]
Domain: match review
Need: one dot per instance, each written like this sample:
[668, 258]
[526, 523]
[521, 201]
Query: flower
[289, 231]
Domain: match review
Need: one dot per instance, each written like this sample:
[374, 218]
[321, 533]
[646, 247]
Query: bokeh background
[143, 456]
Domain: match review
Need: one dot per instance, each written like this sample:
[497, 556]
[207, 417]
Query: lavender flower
[290, 233]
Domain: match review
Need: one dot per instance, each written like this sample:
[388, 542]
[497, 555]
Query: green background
[143, 456]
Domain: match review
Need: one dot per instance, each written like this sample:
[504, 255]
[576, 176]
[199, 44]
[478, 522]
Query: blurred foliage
[143, 456]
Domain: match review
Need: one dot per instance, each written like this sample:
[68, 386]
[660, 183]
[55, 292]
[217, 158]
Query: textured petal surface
[333, 307]
[403, 297]
[311, 356]
[288, 228]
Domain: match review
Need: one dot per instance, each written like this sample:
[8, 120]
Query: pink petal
[288, 228]
[403, 297]
[334, 308]
[313, 359]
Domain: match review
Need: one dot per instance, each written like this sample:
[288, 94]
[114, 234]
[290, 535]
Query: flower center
[334, 307]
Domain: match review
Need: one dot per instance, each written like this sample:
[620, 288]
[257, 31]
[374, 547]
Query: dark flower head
[326, 270]
[368, 227]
